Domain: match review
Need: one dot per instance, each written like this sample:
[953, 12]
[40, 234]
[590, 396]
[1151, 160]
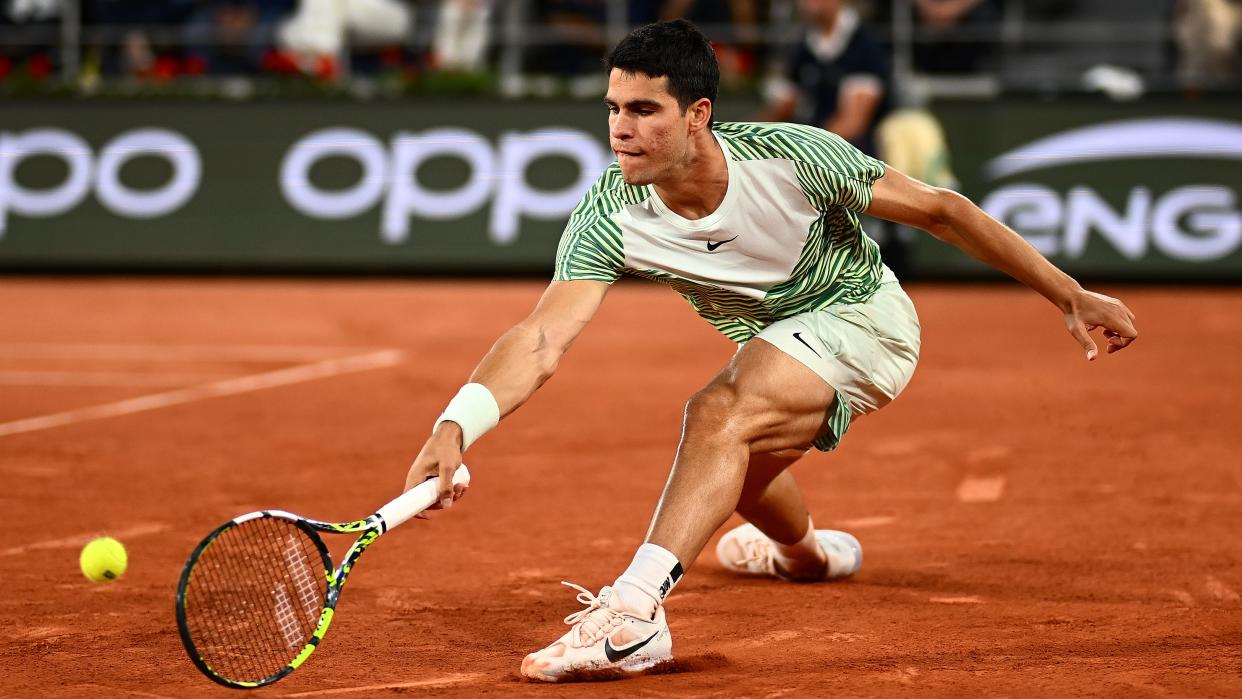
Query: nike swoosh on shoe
[616, 655]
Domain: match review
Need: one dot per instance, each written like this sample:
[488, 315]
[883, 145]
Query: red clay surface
[1033, 524]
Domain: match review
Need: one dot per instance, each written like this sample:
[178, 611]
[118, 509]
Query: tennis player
[757, 226]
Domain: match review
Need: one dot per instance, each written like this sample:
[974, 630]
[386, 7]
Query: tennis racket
[257, 595]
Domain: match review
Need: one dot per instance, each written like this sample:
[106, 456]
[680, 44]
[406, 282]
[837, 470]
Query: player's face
[647, 129]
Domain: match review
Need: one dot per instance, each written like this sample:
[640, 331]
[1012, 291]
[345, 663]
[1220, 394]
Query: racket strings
[254, 598]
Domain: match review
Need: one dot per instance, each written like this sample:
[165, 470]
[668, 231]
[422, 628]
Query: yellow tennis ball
[103, 559]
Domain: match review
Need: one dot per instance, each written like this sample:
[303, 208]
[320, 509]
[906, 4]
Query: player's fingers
[1118, 343]
[447, 469]
[417, 474]
[1079, 331]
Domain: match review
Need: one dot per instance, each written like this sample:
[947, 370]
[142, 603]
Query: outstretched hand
[1088, 311]
[440, 456]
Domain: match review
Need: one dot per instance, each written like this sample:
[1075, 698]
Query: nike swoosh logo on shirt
[711, 246]
[615, 655]
[798, 337]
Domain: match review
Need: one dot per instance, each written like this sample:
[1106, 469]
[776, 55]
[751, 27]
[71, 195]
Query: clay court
[1033, 524]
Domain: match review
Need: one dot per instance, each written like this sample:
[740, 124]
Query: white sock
[650, 578]
[801, 554]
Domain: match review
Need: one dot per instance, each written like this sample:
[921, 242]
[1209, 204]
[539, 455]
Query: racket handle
[417, 499]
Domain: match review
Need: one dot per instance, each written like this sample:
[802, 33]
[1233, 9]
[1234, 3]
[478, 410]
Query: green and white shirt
[785, 240]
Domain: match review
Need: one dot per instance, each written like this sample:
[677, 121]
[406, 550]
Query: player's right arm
[522, 359]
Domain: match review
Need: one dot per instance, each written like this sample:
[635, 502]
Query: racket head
[252, 601]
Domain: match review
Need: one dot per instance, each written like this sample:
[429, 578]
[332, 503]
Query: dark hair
[675, 49]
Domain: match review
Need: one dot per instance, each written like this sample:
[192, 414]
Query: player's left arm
[954, 219]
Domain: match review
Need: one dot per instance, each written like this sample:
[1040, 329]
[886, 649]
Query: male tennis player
[757, 226]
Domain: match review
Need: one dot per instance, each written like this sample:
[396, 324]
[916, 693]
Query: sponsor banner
[476, 186]
[1145, 190]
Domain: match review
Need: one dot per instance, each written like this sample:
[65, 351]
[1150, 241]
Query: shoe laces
[597, 620]
[758, 550]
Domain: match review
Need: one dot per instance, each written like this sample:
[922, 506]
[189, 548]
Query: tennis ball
[103, 559]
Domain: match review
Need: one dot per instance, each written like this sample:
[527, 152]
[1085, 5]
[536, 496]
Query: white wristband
[474, 409]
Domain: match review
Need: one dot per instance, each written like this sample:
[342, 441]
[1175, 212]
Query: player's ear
[700, 113]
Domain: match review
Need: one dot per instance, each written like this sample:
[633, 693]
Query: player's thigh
[773, 401]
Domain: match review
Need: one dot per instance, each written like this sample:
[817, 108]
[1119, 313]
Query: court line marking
[226, 387]
[100, 378]
[435, 682]
[134, 692]
[172, 353]
[71, 542]
[1220, 590]
[1183, 596]
[981, 489]
[865, 522]
[970, 599]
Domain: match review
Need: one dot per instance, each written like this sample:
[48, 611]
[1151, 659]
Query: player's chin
[636, 177]
[634, 173]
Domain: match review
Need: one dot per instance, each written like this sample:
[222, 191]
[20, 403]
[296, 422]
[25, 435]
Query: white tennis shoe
[602, 639]
[747, 550]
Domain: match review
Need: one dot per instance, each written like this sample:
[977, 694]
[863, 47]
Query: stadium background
[252, 246]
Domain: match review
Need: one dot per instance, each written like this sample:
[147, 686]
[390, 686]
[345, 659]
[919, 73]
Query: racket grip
[417, 499]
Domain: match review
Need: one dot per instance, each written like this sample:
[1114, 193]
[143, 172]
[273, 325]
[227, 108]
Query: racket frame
[389, 516]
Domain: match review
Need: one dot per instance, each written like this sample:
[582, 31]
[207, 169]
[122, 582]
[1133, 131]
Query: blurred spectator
[1129, 46]
[1209, 39]
[836, 78]
[957, 36]
[232, 36]
[578, 40]
[148, 45]
[731, 25]
[463, 29]
[316, 34]
[31, 58]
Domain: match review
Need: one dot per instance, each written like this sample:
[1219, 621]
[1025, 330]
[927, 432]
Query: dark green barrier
[485, 186]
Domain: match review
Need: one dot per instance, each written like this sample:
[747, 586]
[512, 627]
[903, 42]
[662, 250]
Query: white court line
[1183, 596]
[72, 542]
[227, 387]
[436, 682]
[971, 599]
[99, 378]
[865, 522]
[109, 690]
[1220, 590]
[985, 489]
[171, 353]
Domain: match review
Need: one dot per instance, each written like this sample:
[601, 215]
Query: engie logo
[389, 173]
[1194, 223]
[85, 172]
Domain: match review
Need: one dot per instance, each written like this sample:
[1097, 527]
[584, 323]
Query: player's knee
[714, 405]
[719, 409]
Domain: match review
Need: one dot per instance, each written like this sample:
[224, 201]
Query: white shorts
[865, 351]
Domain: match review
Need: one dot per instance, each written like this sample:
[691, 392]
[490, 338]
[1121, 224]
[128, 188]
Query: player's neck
[697, 186]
